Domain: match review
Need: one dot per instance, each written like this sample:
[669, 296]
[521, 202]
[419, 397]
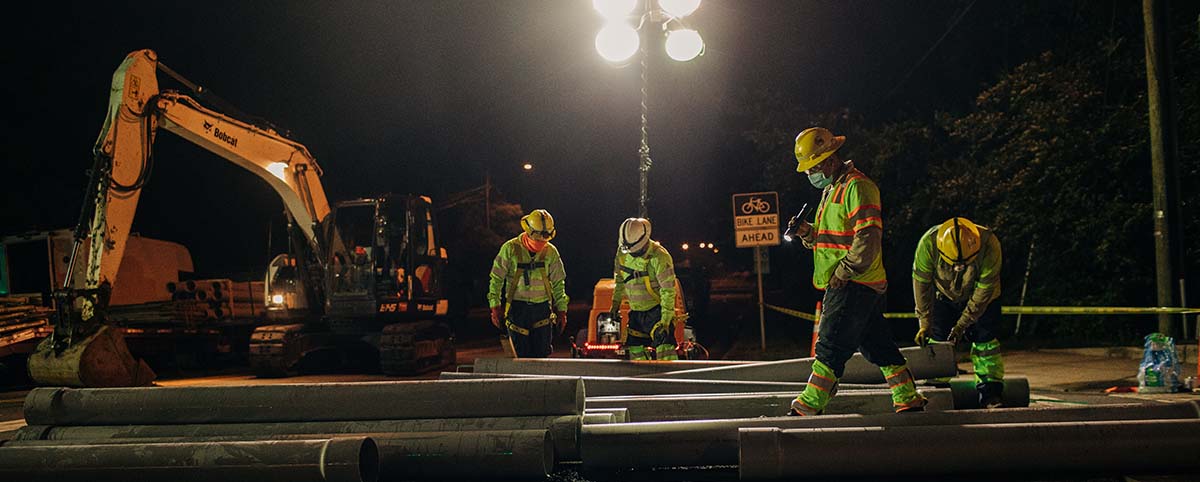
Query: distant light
[684, 247]
[277, 299]
[679, 8]
[615, 9]
[527, 166]
[684, 44]
[715, 251]
[617, 42]
[276, 169]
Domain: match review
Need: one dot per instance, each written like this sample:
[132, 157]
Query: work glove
[497, 315]
[562, 321]
[660, 328]
[958, 331]
[922, 337]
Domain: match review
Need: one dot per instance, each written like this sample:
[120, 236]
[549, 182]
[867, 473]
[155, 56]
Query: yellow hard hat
[815, 144]
[539, 225]
[958, 240]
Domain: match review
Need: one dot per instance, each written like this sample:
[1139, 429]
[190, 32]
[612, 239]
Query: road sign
[756, 219]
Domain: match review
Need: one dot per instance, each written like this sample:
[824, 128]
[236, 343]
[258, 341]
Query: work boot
[990, 394]
[799, 409]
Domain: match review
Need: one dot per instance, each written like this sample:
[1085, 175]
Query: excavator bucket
[100, 360]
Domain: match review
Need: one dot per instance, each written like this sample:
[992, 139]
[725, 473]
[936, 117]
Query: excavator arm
[122, 166]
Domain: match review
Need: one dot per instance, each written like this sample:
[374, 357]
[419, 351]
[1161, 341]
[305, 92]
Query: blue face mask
[819, 180]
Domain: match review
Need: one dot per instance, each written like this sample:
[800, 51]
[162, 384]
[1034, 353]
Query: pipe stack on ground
[424, 429]
[703, 443]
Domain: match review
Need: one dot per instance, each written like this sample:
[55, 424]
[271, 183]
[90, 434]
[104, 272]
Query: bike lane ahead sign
[756, 219]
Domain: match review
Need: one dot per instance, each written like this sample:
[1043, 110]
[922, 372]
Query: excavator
[361, 282]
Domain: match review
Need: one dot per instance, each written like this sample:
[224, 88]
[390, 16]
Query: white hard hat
[634, 235]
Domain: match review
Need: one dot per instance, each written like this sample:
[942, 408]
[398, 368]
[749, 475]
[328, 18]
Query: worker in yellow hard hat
[956, 281]
[847, 248]
[645, 275]
[530, 274]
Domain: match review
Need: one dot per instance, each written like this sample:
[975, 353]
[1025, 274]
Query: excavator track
[412, 348]
[277, 350]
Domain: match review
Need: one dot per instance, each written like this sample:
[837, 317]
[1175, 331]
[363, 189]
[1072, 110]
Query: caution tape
[791, 312]
[1031, 310]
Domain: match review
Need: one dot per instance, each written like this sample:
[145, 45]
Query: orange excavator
[361, 281]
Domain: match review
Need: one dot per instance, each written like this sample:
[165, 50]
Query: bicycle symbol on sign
[755, 205]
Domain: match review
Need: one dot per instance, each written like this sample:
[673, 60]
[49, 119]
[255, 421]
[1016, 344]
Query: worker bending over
[530, 274]
[643, 271]
[956, 279]
[848, 265]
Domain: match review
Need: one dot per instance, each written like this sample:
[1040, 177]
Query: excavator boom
[137, 108]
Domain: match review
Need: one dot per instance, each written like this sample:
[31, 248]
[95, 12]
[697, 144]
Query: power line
[953, 24]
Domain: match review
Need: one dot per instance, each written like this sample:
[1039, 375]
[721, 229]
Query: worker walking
[530, 274]
[956, 279]
[644, 272]
[848, 265]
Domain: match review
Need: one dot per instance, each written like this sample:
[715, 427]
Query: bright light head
[615, 9]
[678, 8]
[617, 42]
[684, 44]
[277, 299]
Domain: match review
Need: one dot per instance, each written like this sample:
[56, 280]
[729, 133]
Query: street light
[618, 41]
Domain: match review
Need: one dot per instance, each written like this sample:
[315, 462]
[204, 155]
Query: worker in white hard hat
[645, 274]
[530, 274]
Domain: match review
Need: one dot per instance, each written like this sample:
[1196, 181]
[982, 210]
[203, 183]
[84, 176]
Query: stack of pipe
[422, 429]
[931, 442]
[20, 320]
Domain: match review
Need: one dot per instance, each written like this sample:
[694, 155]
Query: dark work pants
[945, 315]
[852, 320]
[537, 343]
[644, 321]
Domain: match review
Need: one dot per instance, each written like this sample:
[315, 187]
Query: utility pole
[1164, 154]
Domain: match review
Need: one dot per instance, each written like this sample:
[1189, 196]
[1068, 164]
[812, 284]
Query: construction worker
[644, 272]
[848, 265]
[531, 275]
[956, 279]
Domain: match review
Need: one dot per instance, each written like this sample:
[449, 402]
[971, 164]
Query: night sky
[427, 96]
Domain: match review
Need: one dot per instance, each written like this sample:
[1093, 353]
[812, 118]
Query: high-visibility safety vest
[523, 276]
[647, 281]
[848, 206]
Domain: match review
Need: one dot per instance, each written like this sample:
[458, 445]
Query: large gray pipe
[933, 361]
[564, 430]
[350, 459]
[508, 454]
[664, 408]
[619, 415]
[588, 367]
[616, 386]
[715, 442]
[1044, 449]
[304, 402]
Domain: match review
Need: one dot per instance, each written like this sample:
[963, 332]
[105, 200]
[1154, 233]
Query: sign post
[756, 224]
